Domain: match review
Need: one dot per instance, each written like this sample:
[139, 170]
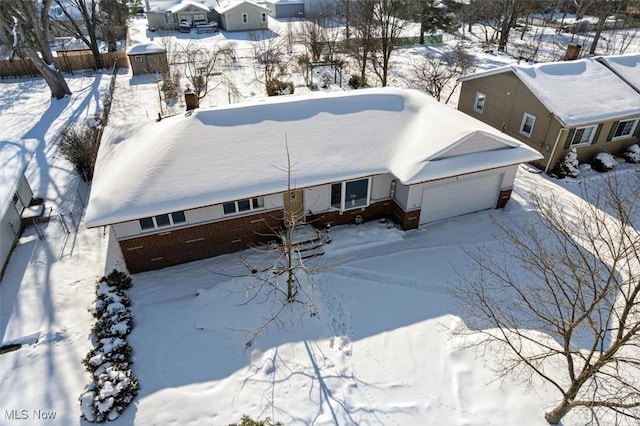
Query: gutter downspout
[554, 150]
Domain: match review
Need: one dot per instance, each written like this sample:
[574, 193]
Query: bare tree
[487, 13]
[28, 22]
[312, 35]
[511, 10]
[271, 54]
[573, 274]
[202, 66]
[603, 10]
[389, 18]
[287, 280]
[84, 26]
[433, 75]
[362, 35]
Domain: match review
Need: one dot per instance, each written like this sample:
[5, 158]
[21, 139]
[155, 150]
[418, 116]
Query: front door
[293, 205]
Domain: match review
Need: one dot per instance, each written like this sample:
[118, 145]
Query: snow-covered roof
[577, 92]
[186, 3]
[161, 6]
[284, 2]
[14, 158]
[227, 5]
[56, 12]
[210, 156]
[145, 49]
[626, 66]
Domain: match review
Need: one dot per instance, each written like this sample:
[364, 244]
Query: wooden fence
[64, 62]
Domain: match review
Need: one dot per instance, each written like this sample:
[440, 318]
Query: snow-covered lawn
[380, 351]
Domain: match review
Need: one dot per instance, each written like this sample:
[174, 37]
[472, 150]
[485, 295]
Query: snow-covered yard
[380, 351]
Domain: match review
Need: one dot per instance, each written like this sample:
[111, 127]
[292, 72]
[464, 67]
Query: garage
[286, 9]
[466, 194]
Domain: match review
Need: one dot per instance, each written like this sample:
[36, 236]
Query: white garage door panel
[460, 197]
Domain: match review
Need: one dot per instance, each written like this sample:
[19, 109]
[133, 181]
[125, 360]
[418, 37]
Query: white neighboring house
[15, 193]
[210, 181]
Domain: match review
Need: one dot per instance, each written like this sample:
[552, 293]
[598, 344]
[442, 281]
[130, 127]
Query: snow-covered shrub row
[113, 386]
[632, 154]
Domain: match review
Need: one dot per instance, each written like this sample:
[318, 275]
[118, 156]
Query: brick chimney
[573, 52]
[191, 99]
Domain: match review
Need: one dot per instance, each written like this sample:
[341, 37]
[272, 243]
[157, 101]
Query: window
[16, 199]
[137, 59]
[478, 105]
[162, 220]
[624, 129]
[245, 19]
[264, 17]
[350, 195]
[583, 135]
[527, 124]
[245, 205]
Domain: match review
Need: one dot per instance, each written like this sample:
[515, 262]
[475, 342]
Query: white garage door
[460, 197]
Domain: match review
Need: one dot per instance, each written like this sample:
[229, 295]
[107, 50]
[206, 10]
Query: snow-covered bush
[279, 87]
[79, 145]
[632, 154]
[569, 165]
[113, 390]
[113, 386]
[355, 82]
[603, 162]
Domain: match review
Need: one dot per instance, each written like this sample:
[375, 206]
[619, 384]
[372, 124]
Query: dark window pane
[163, 220]
[243, 205]
[336, 195]
[178, 217]
[356, 193]
[257, 202]
[146, 223]
[229, 208]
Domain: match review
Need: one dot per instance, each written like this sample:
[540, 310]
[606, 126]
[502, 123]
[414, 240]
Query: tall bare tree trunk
[28, 20]
[54, 78]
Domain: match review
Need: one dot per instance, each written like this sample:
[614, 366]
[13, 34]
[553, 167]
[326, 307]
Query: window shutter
[567, 144]
[613, 130]
[597, 135]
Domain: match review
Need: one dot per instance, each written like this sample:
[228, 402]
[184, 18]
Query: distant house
[148, 58]
[208, 182]
[591, 104]
[168, 14]
[286, 9]
[15, 193]
[230, 15]
[241, 15]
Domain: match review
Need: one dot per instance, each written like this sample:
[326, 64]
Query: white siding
[233, 18]
[194, 217]
[380, 186]
[402, 196]
[11, 218]
[126, 229]
[317, 199]
[24, 191]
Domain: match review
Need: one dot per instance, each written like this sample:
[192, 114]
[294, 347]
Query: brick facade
[381, 209]
[503, 198]
[176, 246]
[197, 242]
